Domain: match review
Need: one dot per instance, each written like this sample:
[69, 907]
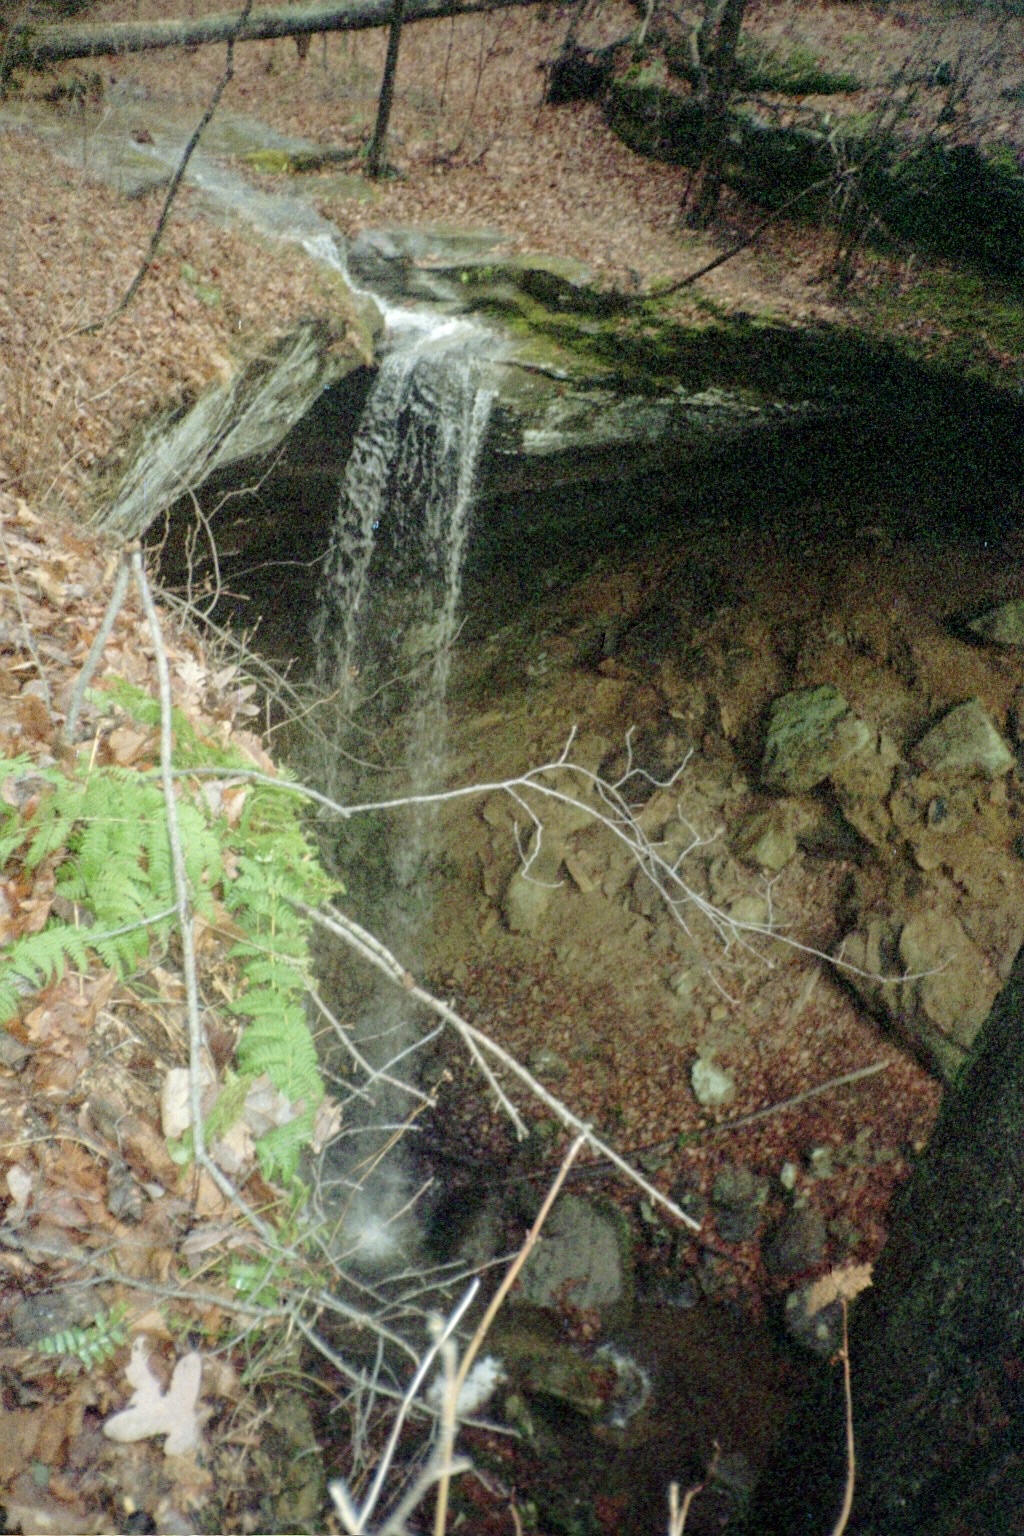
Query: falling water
[387, 619]
[390, 591]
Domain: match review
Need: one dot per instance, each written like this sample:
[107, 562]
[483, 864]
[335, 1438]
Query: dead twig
[679, 1513]
[92, 661]
[800, 1098]
[176, 180]
[851, 1456]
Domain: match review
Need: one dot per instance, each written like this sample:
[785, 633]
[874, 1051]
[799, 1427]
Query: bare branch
[176, 179]
[372, 950]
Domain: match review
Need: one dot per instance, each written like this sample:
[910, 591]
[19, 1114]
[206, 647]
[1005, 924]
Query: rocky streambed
[811, 721]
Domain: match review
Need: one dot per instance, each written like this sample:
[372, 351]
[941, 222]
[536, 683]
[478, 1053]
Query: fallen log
[35, 46]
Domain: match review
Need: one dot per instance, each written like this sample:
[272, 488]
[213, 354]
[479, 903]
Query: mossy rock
[296, 162]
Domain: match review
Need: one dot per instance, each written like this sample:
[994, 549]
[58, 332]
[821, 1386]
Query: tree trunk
[937, 1343]
[376, 154]
[717, 43]
[35, 46]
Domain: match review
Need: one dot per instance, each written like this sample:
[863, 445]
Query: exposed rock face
[946, 988]
[570, 438]
[932, 938]
[923, 810]
[234, 423]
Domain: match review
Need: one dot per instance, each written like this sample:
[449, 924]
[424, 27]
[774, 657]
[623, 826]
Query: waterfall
[390, 589]
[387, 617]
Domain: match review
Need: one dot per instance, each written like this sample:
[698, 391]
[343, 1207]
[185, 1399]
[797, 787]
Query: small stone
[526, 901]
[582, 878]
[544, 1062]
[788, 1175]
[768, 839]
[820, 1331]
[13, 1054]
[711, 1086]
[124, 1197]
[1001, 626]
[752, 911]
[797, 1243]
[683, 984]
[738, 1197]
[585, 1258]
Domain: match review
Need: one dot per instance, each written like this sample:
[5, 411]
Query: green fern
[35, 960]
[105, 830]
[92, 1344]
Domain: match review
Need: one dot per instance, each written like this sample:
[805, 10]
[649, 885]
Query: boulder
[965, 741]
[583, 1260]
[811, 733]
[1003, 625]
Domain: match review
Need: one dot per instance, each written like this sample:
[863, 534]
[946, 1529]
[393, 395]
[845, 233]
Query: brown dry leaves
[68, 249]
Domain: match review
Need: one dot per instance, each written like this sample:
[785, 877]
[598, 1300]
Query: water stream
[389, 592]
[387, 617]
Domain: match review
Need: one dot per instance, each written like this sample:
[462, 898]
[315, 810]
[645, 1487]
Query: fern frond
[280, 1149]
[279, 974]
[107, 835]
[283, 1047]
[38, 958]
[93, 1344]
[124, 952]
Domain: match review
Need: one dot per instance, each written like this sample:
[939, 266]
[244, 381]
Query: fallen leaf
[267, 1107]
[19, 1430]
[175, 1111]
[151, 1411]
[126, 745]
[33, 716]
[326, 1123]
[20, 1185]
[209, 1201]
[175, 1100]
[845, 1282]
[29, 1508]
[234, 1151]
